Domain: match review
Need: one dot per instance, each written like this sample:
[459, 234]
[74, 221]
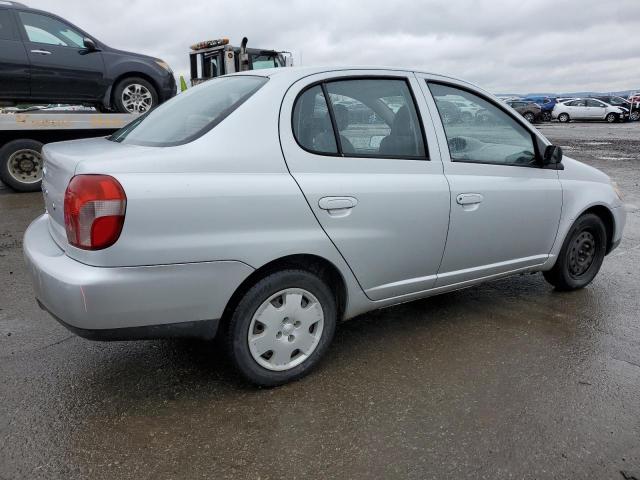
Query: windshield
[190, 114]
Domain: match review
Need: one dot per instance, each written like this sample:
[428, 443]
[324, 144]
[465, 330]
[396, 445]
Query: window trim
[340, 153]
[518, 119]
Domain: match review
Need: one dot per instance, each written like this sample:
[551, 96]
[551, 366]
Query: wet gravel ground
[505, 380]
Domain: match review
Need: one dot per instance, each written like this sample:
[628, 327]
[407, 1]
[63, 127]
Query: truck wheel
[281, 327]
[612, 117]
[134, 95]
[21, 165]
[563, 118]
[581, 255]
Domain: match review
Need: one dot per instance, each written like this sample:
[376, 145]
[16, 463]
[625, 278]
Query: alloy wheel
[286, 329]
[136, 98]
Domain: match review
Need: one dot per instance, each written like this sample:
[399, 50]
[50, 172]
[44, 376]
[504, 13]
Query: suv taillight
[94, 208]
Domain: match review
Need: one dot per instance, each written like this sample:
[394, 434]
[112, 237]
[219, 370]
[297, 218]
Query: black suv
[45, 59]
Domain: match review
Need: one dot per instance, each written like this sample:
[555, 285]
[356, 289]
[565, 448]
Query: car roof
[5, 3]
[294, 74]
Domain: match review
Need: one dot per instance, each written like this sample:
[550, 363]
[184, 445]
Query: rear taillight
[94, 208]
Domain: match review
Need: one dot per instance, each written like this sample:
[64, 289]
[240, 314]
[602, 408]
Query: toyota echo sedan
[265, 207]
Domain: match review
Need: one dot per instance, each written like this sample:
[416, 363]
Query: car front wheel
[281, 327]
[581, 255]
[612, 117]
[134, 95]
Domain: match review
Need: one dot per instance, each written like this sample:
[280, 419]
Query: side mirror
[89, 44]
[552, 155]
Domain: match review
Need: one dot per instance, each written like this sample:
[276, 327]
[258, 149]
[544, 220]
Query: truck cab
[213, 58]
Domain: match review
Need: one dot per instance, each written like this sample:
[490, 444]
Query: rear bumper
[119, 303]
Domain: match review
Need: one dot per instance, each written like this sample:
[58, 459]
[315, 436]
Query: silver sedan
[266, 207]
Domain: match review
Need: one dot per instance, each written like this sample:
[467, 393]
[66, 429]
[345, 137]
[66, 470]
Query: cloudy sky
[505, 46]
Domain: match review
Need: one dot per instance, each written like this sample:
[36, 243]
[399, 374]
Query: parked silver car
[588, 109]
[267, 206]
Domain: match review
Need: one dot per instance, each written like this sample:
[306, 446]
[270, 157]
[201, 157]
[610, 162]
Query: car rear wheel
[281, 327]
[134, 95]
[529, 117]
[581, 255]
[563, 117]
[21, 165]
[611, 117]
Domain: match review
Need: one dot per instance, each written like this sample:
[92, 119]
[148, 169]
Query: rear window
[190, 114]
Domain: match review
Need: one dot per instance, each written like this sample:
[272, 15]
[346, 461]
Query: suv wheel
[581, 255]
[281, 327]
[529, 117]
[134, 95]
[546, 116]
[611, 117]
[21, 165]
[563, 117]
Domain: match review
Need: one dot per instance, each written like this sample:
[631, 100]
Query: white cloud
[502, 45]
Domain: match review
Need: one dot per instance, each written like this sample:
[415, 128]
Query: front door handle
[337, 206]
[41, 52]
[469, 198]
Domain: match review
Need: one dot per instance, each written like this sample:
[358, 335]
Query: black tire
[237, 330]
[101, 108]
[127, 82]
[546, 116]
[529, 117]
[611, 118]
[564, 118]
[634, 116]
[25, 172]
[574, 269]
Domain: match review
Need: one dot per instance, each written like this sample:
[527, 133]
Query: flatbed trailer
[22, 136]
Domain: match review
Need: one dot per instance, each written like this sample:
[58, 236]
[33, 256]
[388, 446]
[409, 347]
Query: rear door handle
[469, 198]
[337, 205]
[41, 52]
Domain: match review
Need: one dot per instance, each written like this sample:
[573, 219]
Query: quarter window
[490, 135]
[47, 30]
[366, 118]
[312, 122]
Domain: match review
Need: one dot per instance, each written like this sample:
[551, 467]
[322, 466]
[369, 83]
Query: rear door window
[362, 117]
[190, 114]
[7, 30]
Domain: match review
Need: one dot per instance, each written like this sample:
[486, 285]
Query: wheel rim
[25, 166]
[582, 253]
[564, 117]
[137, 98]
[529, 117]
[611, 118]
[286, 329]
[635, 116]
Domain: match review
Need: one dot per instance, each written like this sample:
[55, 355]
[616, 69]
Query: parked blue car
[546, 104]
